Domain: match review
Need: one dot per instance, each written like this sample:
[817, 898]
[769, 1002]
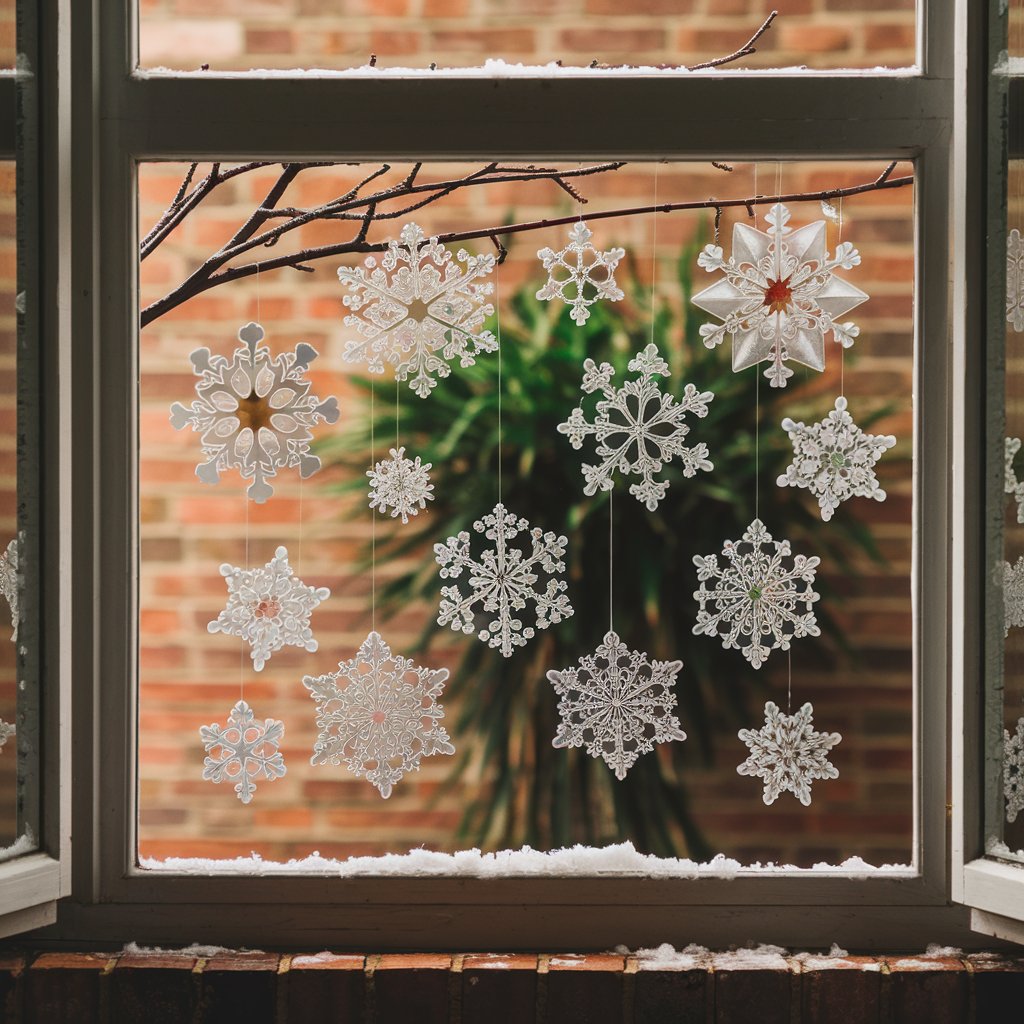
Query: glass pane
[507, 784]
[7, 33]
[333, 34]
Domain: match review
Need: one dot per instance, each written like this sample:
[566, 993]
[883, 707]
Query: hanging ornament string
[757, 441]
[842, 348]
[373, 512]
[789, 685]
[497, 334]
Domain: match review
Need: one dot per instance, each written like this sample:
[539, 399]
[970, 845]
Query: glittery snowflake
[418, 310]
[757, 595]
[243, 751]
[1013, 771]
[379, 714]
[400, 484]
[788, 754]
[9, 583]
[7, 730]
[834, 459]
[780, 295]
[1011, 579]
[1015, 280]
[580, 274]
[254, 412]
[268, 608]
[503, 580]
[638, 428]
[617, 704]
[1011, 485]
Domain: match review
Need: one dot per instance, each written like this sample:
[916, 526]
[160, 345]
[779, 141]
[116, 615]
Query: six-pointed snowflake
[1015, 280]
[580, 274]
[788, 754]
[780, 295]
[418, 310]
[617, 704]
[502, 581]
[254, 412]
[762, 597]
[1011, 485]
[268, 608]
[1013, 771]
[9, 583]
[243, 751]
[637, 427]
[834, 459]
[1012, 582]
[400, 484]
[379, 714]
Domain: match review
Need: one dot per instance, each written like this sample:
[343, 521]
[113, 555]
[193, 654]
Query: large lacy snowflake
[834, 459]
[617, 704]
[788, 754]
[244, 750]
[1013, 595]
[9, 583]
[1013, 771]
[1011, 485]
[254, 411]
[268, 608]
[379, 714]
[780, 295]
[637, 427]
[580, 274]
[757, 595]
[1015, 280]
[401, 485]
[418, 310]
[502, 581]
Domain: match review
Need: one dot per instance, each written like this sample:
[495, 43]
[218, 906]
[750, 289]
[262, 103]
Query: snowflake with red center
[243, 751]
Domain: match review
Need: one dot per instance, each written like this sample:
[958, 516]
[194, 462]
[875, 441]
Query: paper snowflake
[757, 595]
[580, 274]
[400, 484]
[9, 583]
[1015, 280]
[255, 412]
[637, 427]
[268, 608]
[243, 751]
[1011, 580]
[1011, 485]
[503, 580]
[379, 714]
[7, 730]
[787, 753]
[834, 459]
[1013, 771]
[418, 310]
[617, 704]
[780, 295]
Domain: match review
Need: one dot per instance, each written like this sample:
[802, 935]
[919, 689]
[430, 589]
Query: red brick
[66, 987]
[738, 988]
[12, 971]
[671, 997]
[412, 985]
[511, 41]
[326, 980]
[499, 989]
[803, 38]
[158, 989]
[445, 8]
[637, 7]
[597, 42]
[585, 989]
[844, 990]
[932, 991]
[394, 44]
[890, 37]
[998, 983]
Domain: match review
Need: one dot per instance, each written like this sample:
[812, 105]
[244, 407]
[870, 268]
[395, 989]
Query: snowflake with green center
[243, 751]
[580, 274]
[401, 485]
[1013, 771]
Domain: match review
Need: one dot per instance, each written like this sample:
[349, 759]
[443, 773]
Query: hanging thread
[611, 561]
[497, 332]
[757, 440]
[373, 515]
[842, 348]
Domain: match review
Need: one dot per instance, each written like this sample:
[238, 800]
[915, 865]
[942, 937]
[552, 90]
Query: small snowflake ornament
[9, 583]
[1011, 485]
[617, 704]
[7, 730]
[761, 598]
[580, 274]
[401, 485]
[503, 580]
[1013, 771]
[418, 310]
[1013, 595]
[255, 412]
[379, 715]
[268, 608]
[1015, 280]
[638, 427]
[834, 459]
[243, 751]
[780, 295]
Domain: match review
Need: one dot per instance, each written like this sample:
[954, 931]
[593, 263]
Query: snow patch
[934, 949]
[667, 958]
[195, 949]
[25, 843]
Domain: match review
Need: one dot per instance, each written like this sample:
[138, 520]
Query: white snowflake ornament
[255, 412]
[617, 704]
[1011, 485]
[401, 485]
[1013, 771]
[503, 580]
[580, 274]
[834, 459]
[268, 608]
[788, 754]
[243, 751]
[418, 310]
[638, 427]
[780, 295]
[1013, 595]
[9, 583]
[761, 598]
[1015, 280]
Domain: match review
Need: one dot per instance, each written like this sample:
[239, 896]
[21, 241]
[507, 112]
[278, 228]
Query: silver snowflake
[244, 750]
[637, 427]
[9, 583]
[788, 754]
[834, 459]
[780, 295]
[617, 704]
[400, 484]
[757, 595]
[254, 412]
[502, 581]
[580, 274]
[1013, 771]
[7, 730]
[417, 310]
[379, 714]
[1011, 485]
[1015, 280]
[1012, 583]
[268, 608]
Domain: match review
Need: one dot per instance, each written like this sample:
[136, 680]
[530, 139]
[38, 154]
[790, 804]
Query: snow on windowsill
[25, 843]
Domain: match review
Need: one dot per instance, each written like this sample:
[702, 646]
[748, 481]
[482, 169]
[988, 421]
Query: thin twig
[744, 51]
